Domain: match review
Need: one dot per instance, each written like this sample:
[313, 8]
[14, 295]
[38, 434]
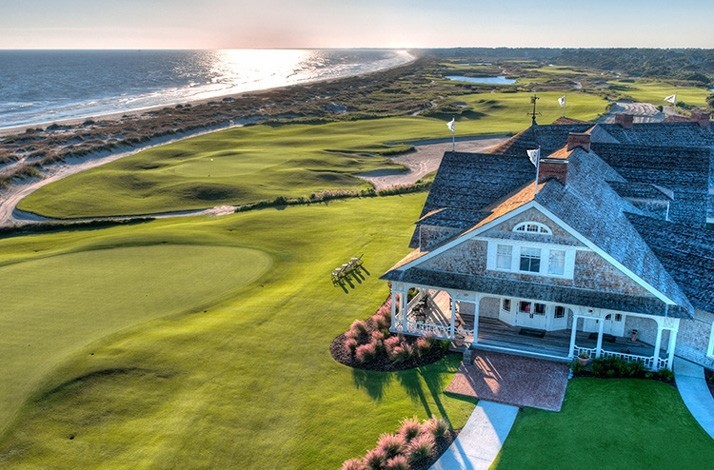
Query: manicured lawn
[508, 112]
[258, 163]
[55, 304]
[655, 92]
[242, 380]
[613, 424]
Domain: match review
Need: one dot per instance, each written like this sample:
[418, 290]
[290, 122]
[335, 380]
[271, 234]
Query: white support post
[671, 347]
[403, 308]
[658, 344]
[452, 320]
[600, 330]
[573, 333]
[394, 310]
[476, 309]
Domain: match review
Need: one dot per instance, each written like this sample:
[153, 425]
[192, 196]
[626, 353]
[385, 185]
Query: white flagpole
[535, 189]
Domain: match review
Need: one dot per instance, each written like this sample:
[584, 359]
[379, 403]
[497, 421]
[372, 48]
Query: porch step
[535, 355]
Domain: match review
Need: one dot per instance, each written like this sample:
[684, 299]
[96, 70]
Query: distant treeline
[683, 64]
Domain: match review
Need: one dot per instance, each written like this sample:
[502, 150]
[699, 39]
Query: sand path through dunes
[424, 160]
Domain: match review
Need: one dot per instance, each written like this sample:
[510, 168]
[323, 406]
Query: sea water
[41, 87]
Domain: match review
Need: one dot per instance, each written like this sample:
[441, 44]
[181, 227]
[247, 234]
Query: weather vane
[533, 114]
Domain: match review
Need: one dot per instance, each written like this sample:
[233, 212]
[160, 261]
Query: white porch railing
[652, 363]
[438, 331]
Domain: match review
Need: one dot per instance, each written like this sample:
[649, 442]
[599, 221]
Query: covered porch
[462, 317]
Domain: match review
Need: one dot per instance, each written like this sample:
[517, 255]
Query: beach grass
[259, 163]
[614, 424]
[243, 380]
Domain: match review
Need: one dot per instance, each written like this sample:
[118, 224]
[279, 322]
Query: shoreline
[73, 121]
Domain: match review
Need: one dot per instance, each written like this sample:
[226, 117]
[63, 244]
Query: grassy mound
[54, 305]
[250, 383]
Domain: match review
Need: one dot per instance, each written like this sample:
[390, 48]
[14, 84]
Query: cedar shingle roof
[686, 252]
[637, 163]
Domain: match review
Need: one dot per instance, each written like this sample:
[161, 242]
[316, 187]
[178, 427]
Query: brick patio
[513, 380]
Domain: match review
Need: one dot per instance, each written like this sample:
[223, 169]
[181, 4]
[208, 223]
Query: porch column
[658, 344]
[452, 325]
[394, 310]
[403, 308]
[600, 329]
[670, 347]
[573, 333]
[476, 308]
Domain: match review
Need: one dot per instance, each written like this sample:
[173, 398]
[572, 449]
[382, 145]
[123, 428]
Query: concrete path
[695, 393]
[480, 441]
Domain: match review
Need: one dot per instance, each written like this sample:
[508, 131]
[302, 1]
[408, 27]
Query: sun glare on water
[249, 67]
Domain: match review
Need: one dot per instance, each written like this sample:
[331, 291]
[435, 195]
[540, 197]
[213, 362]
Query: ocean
[41, 87]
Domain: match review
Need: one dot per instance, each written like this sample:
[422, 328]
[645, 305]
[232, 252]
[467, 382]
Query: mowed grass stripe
[258, 163]
[54, 306]
[250, 384]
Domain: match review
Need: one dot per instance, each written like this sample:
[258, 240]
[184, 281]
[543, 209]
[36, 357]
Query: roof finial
[533, 114]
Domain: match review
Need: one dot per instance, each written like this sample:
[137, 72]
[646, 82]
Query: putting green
[52, 307]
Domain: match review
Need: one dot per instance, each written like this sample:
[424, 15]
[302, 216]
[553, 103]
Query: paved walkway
[512, 380]
[480, 441]
[695, 393]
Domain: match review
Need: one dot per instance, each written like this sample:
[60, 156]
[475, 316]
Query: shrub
[424, 344]
[392, 342]
[398, 462]
[375, 458]
[359, 326]
[353, 464]
[421, 448]
[391, 444]
[350, 345]
[401, 353]
[665, 375]
[366, 352]
[410, 429]
[436, 427]
[377, 336]
[381, 322]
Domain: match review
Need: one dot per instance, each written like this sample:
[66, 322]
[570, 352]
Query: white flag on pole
[451, 125]
[671, 99]
[561, 101]
[534, 156]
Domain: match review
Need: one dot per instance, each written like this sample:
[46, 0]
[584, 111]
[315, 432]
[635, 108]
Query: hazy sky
[145, 24]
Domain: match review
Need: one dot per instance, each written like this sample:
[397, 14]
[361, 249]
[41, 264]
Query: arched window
[532, 227]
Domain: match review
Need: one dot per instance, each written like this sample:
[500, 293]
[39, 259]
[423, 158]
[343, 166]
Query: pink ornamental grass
[350, 345]
[436, 427]
[410, 429]
[375, 458]
[353, 464]
[421, 448]
[391, 444]
[398, 462]
[366, 353]
[391, 342]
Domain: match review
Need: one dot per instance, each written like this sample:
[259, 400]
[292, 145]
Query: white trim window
[556, 262]
[504, 257]
[710, 349]
[533, 227]
[530, 259]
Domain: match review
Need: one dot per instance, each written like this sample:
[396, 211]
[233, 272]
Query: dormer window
[532, 227]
